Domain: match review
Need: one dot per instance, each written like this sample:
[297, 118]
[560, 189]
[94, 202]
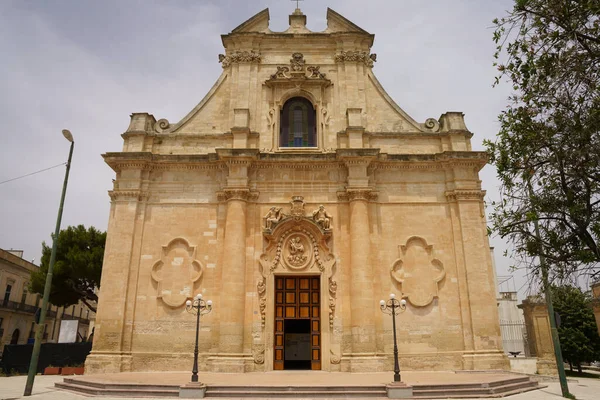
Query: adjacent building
[18, 306]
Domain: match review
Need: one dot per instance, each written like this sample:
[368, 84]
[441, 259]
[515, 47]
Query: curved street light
[394, 307]
[35, 354]
[198, 307]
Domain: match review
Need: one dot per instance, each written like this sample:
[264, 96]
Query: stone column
[363, 306]
[233, 295]
[539, 336]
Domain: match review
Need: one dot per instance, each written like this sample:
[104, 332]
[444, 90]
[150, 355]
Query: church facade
[296, 195]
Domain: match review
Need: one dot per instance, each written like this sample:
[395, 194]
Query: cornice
[353, 194]
[240, 57]
[356, 56]
[465, 195]
[128, 195]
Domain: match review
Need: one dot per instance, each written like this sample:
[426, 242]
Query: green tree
[579, 339]
[547, 150]
[77, 269]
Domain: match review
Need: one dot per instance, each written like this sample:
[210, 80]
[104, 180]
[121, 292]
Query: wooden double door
[297, 323]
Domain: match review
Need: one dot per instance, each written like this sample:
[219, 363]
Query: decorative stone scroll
[176, 273]
[298, 71]
[432, 124]
[239, 57]
[161, 125]
[418, 272]
[237, 194]
[356, 56]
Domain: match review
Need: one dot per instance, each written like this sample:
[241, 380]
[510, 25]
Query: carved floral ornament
[239, 57]
[356, 56]
[176, 273]
[298, 70]
[418, 272]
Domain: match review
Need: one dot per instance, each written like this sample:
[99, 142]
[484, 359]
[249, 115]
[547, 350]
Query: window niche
[298, 124]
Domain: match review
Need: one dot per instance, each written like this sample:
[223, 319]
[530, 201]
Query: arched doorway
[15, 337]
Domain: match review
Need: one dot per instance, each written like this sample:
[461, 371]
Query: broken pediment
[257, 23]
[338, 23]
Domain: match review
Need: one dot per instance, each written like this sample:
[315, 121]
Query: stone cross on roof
[297, 1]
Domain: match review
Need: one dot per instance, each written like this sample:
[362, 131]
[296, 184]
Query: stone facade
[219, 204]
[539, 334]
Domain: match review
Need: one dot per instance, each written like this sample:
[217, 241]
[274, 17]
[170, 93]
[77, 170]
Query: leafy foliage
[578, 334]
[77, 268]
[548, 149]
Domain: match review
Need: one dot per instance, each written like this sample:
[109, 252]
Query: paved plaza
[12, 387]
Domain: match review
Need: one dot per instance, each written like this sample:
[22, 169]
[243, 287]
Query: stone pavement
[12, 387]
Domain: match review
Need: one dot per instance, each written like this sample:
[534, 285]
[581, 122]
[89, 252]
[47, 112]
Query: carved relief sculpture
[418, 272]
[322, 218]
[297, 70]
[273, 217]
[176, 272]
[239, 57]
[296, 256]
[356, 56]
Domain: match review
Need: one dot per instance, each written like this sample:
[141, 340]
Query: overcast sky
[87, 65]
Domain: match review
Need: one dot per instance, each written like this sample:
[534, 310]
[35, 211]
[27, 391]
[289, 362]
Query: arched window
[298, 124]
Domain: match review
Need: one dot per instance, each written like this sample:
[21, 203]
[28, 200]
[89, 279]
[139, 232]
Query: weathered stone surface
[395, 192]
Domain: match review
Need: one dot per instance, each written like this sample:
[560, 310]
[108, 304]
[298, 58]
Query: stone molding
[240, 57]
[356, 56]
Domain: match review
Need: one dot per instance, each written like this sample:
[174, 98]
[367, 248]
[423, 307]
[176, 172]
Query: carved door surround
[296, 246]
[298, 80]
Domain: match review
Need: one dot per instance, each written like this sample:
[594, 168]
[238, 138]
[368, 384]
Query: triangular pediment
[258, 23]
[338, 23]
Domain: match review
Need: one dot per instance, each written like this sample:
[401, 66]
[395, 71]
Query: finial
[297, 4]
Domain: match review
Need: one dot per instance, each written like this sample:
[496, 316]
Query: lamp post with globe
[394, 307]
[198, 307]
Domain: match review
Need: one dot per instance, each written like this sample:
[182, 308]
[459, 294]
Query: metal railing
[514, 337]
[23, 307]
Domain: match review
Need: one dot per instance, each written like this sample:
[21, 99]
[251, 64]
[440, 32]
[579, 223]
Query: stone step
[116, 392]
[450, 386]
[471, 392]
[362, 394]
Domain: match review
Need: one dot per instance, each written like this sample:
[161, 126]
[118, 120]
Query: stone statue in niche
[296, 255]
[322, 218]
[273, 217]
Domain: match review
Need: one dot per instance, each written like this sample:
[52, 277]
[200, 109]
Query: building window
[298, 124]
[24, 296]
[7, 293]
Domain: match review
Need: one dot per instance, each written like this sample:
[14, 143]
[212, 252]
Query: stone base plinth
[105, 363]
[546, 366]
[192, 390]
[399, 390]
[482, 361]
[231, 363]
[362, 363]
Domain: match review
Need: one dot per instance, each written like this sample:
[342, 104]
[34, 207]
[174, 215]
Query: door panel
[297, 298]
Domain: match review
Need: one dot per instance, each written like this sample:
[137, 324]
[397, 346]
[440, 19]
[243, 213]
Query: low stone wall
[523, 365]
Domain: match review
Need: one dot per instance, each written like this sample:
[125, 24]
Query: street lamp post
[35, 354]
[198, 307]
[394, 307]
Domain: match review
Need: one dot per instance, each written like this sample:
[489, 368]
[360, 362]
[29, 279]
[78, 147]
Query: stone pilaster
[232, 305]
[596, 303]
[539, 336]
[361, 275]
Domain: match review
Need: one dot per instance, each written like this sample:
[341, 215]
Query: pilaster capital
[465, 195]
[364, 194]
[128, 195]
[243, 194]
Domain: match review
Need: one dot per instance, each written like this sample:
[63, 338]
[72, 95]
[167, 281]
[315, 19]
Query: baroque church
[296, 195]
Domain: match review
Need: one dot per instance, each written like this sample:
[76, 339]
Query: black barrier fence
[16, 357]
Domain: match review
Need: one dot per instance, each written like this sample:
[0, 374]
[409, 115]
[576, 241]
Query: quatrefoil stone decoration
[418, 272]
